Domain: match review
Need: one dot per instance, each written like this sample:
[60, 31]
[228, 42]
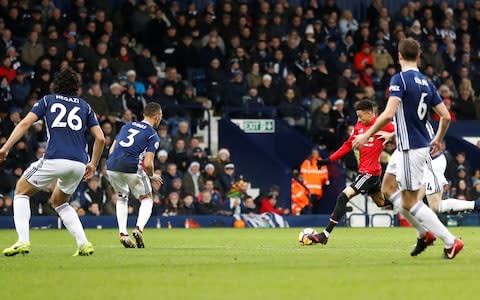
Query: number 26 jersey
[66, 120]
[133, 140]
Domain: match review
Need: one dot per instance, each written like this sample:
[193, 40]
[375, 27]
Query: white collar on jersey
[145, 121]
[410, 68]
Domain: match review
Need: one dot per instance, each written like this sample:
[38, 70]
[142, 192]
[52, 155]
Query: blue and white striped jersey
[66, 119]
[417, 96]
[133, 140]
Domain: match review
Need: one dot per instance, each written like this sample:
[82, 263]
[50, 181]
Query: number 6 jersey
[417, 96]
[133, 140]
[66, 120]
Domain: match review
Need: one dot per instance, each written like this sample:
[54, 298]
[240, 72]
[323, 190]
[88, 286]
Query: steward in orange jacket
[300, 196]
[314, 178]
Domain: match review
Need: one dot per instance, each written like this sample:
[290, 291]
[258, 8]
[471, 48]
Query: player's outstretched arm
[445, 119]
[98, 145]
[17, 133]
[382, 120]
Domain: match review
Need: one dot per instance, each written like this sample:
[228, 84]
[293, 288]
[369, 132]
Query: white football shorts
[434, 173]
[434, 177]
[123, 183]
[68, 174]
[409, 167]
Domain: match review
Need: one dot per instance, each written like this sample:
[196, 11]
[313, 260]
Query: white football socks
[21, 217]
[451, 204]
[122, 214]
[430, 220]
[421, 231]
[144, 213]
[72, 223]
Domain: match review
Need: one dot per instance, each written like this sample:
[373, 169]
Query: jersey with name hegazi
[67, 119]
[417, 95]
[133, 140]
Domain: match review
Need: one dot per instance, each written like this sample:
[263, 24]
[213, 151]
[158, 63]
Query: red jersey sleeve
[389, 127]
[345, 148]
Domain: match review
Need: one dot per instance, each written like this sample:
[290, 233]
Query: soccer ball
[304, 236]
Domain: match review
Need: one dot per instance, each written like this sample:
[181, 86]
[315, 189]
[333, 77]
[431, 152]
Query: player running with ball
[368, 179]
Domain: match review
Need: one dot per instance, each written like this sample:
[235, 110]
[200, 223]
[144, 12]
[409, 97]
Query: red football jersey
[369, 152]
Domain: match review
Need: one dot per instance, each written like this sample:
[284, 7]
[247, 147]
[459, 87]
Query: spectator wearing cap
[363, 58]
[381, 58]
[132, 80]
[209, 172]
[198, 155]
[221, 159]
[227, 179]
[162, 161]
[192, 179]
[268, 92]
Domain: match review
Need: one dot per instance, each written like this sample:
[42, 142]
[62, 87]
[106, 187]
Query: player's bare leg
[412, 202]
[337, 214]
[21, 216]
[71, 221]
[144, 214]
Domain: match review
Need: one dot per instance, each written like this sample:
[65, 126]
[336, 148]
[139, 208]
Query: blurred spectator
[161, 162]
[228, 178]
[172, 206]
[207, 206]
[94, 194]
[314, 178]
[269, 204]
[193, 179]
[187, 206]
[300, 195]
[322, 130]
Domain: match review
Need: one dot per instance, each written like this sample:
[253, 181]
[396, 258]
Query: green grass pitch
[241, 264]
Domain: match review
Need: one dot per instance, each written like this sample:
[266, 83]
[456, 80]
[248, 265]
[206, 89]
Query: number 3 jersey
[417, 96]
[133, 140]
[66, 120]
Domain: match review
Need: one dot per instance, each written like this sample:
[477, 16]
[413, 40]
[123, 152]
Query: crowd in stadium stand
[306, 62]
